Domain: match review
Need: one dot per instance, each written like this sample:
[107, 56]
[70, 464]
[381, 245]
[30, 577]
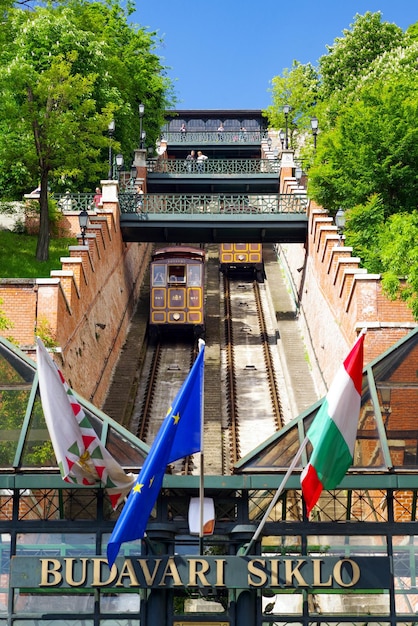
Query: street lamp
[83, 220]
[119, 163]
[269, 142]
[286, 111]
[281, 137]
[340, 221]
[141, 109]
[111, 130]
[314, 127]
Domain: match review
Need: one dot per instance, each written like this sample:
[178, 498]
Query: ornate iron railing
[214, 166]
[222, 204]
[74, 201]
[227, 136]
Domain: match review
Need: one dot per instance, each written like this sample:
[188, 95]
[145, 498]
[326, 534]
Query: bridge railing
[227, 136]
[214, 166]
[222, 204]
[74, 201]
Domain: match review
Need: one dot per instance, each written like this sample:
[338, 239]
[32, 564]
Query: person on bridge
[201, 158]
[97, 198]
[221, 131]
[140, 193]
[190, 159]
[183, 131]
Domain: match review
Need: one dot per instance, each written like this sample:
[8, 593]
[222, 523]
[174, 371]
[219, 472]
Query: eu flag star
[176, 418]
[138, 487]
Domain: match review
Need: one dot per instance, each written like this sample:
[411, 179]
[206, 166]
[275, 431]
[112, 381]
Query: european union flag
[180, 435]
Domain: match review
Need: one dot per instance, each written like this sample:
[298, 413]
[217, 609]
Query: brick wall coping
[377, 325]
[48, 281]
[62, 273]
[352, 259]
[370, 277]
[73, 259]
[18, 281]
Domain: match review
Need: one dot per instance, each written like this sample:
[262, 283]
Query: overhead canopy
[24, 439]
[387, 436]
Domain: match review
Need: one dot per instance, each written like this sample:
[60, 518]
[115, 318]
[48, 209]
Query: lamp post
[314, 127]
[111, 130]
[269, 142]
[141, 109]
[83, 220]
[340, 221]
[281, 137]
[119, 164]
[143, 135]
[286, 111]
[133, 176]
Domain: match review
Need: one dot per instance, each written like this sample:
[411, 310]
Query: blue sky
[222, 54]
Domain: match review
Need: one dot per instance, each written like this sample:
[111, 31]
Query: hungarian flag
[81, 456]
[334, 429]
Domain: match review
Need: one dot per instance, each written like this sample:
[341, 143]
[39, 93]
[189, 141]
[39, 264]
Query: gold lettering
[69, 572]
[149, 578]
[220, 572]
[195, 573]
[355, 573]
[317, 566]
[47, 572]
[127, 571]
[258, 573]
[274, 565]
[293, 572]
[97, 573]
[171, 570]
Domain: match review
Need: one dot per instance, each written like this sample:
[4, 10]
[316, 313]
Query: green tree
[372, 149]
[297, 87]
[399, 255]
[351, 55]
[65, 71]
[363, 222]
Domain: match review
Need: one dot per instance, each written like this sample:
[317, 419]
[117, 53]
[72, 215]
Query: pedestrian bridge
[213, 218]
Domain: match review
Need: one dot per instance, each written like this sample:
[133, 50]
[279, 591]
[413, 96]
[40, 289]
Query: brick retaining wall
[336, 297]
[87, 304]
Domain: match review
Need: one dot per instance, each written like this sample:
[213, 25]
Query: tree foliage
[399, 256]
[297, 87]
[351, 55]
[372, 149]
[65, 72]
[367, 149]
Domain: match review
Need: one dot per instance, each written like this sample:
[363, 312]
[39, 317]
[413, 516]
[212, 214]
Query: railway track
[165, 368]
[254, 409]
[245, 389]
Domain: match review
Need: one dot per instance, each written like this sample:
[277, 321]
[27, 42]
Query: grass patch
[18, 255]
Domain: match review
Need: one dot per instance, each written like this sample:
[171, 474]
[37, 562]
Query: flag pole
[276, 495]
[201, 477]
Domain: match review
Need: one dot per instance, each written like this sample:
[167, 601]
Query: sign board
[230, 572]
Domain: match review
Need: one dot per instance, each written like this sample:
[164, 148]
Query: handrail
[226, 136]
[74, 201]
[222, 204]
[214, 166]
